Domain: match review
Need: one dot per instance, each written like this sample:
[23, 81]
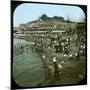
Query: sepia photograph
[49, 45]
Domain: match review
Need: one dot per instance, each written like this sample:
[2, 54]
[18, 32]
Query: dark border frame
[14, 4]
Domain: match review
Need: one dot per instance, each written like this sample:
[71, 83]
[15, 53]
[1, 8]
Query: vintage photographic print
[49, 44]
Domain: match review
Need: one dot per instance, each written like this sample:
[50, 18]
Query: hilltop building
[48, 25]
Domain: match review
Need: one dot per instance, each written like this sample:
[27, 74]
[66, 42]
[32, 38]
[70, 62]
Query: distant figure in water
[27, 47]
[21, 49]
[43, 57]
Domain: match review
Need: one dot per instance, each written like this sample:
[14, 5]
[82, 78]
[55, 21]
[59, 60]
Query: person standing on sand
[56, 71]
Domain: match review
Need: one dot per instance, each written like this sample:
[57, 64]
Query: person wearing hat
[56, 71]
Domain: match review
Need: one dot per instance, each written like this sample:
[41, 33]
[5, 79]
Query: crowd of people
[68, 46]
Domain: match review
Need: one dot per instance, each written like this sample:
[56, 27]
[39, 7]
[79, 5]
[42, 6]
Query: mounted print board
[49, 44]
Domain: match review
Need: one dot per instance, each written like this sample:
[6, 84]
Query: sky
[27, 12]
